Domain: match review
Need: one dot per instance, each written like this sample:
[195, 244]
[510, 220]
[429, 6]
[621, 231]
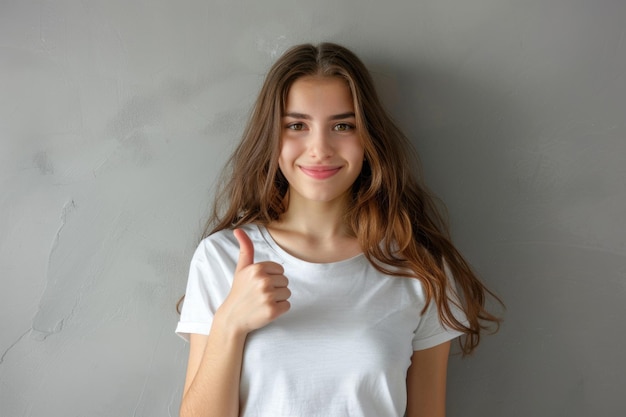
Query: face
[321, 152]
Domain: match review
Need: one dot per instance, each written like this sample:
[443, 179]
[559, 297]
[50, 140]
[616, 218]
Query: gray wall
[116, 115]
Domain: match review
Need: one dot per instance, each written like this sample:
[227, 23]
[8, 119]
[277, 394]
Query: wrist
[227, 327]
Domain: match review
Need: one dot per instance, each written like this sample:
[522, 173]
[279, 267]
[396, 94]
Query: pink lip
[320, 172]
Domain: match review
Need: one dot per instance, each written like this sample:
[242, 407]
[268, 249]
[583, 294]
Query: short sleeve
[431, 331]
[207, 286]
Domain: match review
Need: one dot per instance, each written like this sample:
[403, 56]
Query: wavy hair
[397, 221]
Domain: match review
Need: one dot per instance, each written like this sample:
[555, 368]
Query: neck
[315, 231]
[317, 220]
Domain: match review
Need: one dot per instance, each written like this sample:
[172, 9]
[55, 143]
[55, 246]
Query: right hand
[259, 292]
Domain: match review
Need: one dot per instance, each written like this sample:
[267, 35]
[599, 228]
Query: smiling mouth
[320, 173]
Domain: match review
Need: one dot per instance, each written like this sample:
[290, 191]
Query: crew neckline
[291, 259]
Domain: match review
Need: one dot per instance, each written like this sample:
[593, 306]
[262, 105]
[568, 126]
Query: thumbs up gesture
[259, 292]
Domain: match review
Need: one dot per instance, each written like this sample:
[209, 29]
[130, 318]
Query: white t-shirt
[344, 347]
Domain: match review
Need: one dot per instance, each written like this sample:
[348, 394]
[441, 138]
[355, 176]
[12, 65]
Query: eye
[343, 127]
[295, 126]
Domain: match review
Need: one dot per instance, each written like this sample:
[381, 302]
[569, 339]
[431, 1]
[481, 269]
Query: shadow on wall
[465, 131]
[535, 204]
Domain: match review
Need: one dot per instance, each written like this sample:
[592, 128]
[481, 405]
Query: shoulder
[224, 242]
[224, 236]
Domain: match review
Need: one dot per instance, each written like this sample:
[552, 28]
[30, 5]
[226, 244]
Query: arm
[258, 295]
[213, 370]
[426, 382]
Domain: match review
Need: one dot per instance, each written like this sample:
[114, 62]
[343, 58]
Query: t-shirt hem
[184, 329]
[435, 340]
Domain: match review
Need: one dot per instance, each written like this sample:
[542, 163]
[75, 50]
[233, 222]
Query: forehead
[319, 92]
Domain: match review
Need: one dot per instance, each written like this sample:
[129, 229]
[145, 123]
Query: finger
[280, 281]
[282, 307]
[271, 268]
[281, 294]
[246, 250]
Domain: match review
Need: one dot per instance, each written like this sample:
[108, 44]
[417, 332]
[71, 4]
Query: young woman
[326, 284]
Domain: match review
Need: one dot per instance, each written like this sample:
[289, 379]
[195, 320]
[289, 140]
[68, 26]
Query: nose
[320, 145]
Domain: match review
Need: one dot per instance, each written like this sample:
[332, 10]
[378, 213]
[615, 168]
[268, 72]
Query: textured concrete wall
[115, 117]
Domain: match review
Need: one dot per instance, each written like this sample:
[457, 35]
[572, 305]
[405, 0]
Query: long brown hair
[397, 222]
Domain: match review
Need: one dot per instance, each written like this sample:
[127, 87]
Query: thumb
[246, 250]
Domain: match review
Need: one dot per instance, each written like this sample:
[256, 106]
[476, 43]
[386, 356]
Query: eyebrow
[340, 116]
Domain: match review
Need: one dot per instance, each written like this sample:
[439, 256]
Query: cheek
[356, 153]
[288, 153]
[283, 163]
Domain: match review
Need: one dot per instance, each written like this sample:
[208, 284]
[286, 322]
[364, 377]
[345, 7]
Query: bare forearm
[214, 390]
[426, 382]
